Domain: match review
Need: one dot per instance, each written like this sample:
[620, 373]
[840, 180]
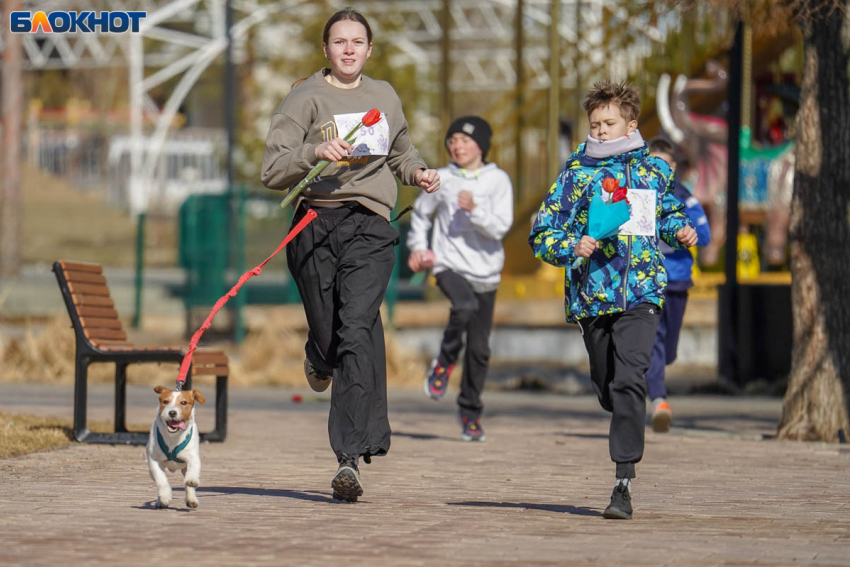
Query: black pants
[619, 346]
[471, 313]
[666, 342]
[341, 263]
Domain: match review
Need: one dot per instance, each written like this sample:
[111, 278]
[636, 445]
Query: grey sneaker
[347, 485]
[317, 382]
[620, 507]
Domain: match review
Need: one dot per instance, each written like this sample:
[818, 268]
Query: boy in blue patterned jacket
[616, 292]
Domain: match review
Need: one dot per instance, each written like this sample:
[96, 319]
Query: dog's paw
[161, 504]
[194, 483]
[193, 503]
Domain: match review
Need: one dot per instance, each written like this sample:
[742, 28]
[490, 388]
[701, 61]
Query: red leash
[193, 344]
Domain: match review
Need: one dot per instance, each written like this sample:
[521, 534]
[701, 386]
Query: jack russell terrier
[173, 443]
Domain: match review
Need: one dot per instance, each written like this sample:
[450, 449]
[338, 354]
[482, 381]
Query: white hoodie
[469, 244]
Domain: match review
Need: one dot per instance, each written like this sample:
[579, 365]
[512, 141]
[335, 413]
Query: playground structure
[766, 174]
[495, 57]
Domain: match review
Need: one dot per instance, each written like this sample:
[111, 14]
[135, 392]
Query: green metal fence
[221, 237]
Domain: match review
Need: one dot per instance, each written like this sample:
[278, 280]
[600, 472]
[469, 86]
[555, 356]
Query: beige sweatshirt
[305, 119]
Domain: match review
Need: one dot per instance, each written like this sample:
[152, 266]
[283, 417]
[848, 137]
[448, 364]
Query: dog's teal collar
[172, 455]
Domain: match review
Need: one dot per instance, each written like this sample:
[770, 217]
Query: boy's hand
[421, 260]
[687, 236]
[465, 202]
[334, 150]
[427, 179]
[586, 246]
[414, 261]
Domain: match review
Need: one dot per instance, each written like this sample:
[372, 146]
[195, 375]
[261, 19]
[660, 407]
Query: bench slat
[97, 312]
[91, 300]
[98, 323]
[94, 334]
[85, 277]
[130, 346]
[81, 267]
[88, 289]
[216, 357]
[107, 344]
[213, 370]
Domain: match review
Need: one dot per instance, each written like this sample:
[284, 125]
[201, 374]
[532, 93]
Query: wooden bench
[100, 337]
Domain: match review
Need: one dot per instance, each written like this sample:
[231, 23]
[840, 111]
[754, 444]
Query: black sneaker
[346, 484]
[472, 430]
[620, 507]
[318, 382]
[437, 382]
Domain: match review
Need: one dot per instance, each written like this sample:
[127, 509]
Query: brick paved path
[711, 493]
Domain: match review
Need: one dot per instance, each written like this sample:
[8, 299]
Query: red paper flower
[621, 194]
[372, 117]
[609, 184]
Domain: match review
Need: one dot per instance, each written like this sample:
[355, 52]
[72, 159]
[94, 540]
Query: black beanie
[476, 128]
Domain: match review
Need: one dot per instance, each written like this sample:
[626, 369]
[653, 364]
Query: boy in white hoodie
[471, 214]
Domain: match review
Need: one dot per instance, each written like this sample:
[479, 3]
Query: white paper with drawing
[369, 140]
[642, 219]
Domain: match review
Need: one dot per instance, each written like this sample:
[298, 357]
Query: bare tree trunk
[10, 199]
[815, 405]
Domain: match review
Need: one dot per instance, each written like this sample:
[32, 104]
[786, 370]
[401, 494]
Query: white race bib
[642, 219]
[369, 141]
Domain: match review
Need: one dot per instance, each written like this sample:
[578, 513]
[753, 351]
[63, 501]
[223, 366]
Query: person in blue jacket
[614, 287]
[678, 264]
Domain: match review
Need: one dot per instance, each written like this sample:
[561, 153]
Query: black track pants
[471, 313]
[341, 263]
[620, 346]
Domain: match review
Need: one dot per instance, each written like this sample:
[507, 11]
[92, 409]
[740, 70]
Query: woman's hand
[335, 150]
[427, 179]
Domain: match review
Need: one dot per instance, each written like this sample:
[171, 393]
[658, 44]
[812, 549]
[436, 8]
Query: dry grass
[22, 434]
[271, 355]
[60, 221]
[47, 356]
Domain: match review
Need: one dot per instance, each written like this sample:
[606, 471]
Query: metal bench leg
[121, 397]
[220, 431]
[80, 398]
[221, 407]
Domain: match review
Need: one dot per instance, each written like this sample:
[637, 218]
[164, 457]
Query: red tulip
[609, 184]
[621, 194]
[372, 117]
[369, 119]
